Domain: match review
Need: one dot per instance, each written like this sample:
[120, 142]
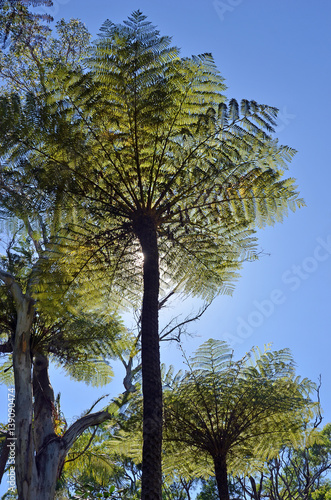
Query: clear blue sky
[278, 53]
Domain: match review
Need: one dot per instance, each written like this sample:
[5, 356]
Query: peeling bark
[26, 473]
[43, 402]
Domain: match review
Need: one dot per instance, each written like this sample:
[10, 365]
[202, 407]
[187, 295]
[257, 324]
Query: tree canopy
[159, 181]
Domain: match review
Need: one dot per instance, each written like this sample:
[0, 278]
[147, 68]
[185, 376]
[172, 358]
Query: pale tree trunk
[39, 454]
[25, 467]
[151, 486]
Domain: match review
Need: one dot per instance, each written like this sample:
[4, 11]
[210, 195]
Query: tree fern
[237, 413]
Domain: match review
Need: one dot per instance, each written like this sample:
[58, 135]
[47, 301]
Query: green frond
[144, 130]
[93, 372]
[212, 356]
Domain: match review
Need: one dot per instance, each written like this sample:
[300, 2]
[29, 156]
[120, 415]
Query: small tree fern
[236, 414]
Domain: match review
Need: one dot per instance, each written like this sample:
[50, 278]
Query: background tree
[146, 145]
[30, 336]
[299, 471]
[209, 490]
[14, 18]
[236, 414]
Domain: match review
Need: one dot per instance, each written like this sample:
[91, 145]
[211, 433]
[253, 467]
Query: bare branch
[166, 298]
[319, 417]
[164, 334]
[94, 404]
[129, 376]
[76, 429]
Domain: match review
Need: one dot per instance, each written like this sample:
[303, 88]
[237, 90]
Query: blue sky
[278, 53]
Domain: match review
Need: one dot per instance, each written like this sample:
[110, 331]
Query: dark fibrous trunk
[221, 475]
[151, 373]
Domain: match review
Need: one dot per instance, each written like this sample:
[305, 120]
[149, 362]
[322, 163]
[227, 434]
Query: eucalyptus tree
[170, 179]
[75, 335]
[236, 414]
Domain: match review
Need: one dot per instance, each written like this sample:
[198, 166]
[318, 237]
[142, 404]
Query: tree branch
[164, 334]
[13, 286]
[85, 449]
[36, 243]
[76, 429]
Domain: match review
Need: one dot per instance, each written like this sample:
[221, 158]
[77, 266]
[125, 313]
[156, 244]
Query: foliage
[322, 493]
[297, 472]
[79, 341]
[179, 490]
[15, 17]
[300, 471]
[208, 491]
[155, 178]
[100, 466]
[229, 411]
[26, 67]
[151, 120]
[79, 335]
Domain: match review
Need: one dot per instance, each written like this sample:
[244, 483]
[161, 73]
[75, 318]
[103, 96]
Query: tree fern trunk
[221, 475]
[151, 373]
